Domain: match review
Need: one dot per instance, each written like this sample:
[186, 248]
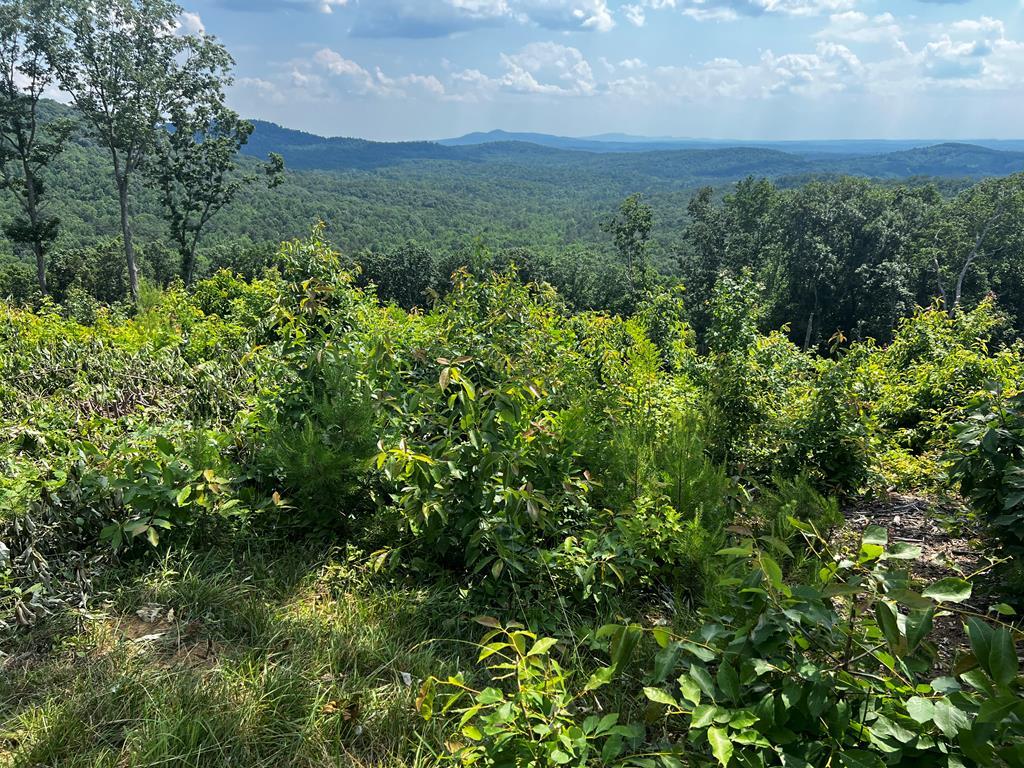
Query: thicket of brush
[324, 488]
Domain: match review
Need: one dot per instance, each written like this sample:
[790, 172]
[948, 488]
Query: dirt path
[949, 544]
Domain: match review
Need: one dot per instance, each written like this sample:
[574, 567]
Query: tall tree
[27, 143]
[631, 231]
[194, 167]
[127, 70]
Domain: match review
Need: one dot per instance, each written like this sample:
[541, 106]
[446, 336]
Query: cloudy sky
[755, 69]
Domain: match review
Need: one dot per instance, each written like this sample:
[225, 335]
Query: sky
[727, 69]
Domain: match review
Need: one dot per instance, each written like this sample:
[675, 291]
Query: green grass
[276, 655]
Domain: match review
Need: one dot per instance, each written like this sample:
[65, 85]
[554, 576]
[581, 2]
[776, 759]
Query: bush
[318, 445]
[837, 671]
[988, 465]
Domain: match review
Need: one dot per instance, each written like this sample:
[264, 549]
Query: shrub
[838, 671]
[988, 465]
[319, 443]
[534, 712]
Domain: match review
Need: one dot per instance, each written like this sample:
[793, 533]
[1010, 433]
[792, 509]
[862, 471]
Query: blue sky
[740, 69]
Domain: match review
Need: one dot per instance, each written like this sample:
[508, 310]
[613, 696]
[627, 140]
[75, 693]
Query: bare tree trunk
[979, 242]
[810, 320]
[126, 232]
[938, 272]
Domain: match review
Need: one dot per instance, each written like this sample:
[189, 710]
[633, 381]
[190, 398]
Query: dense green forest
[855, 254]
[320, 452]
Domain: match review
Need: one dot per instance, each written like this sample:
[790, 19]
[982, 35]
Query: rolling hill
[696, 161]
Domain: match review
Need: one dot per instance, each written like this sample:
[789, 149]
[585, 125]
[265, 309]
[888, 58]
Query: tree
[27, 144]
[631, 231]
[128, 71]
[702, 260]
[195, 170]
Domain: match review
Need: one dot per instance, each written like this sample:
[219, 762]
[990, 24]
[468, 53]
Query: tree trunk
[37, 237]
[37, 246]
[810, 320]
[188, 266]
[126, 232]
[32, 209]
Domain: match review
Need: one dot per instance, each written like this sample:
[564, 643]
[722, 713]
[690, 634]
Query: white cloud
[970, 54]
[338, 65]
[441, 18]
[357, 79]
[857, 27]
[264, 90]
[189, 24]
[328, 6]
[548, 68]
[635, 15]
[730, 10]
[567, 14]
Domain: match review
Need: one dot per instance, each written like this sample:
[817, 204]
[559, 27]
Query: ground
[949, 543]
[252, 652]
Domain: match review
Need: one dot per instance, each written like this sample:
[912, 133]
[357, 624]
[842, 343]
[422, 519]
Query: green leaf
[903, 551]
[542, 646]
[660, 697]
[919, 626]
[875, 534]
[704, 715]
[703, 679]
[728, 681]
[996, 710]
[980, 635]
[859, 758]
[721, 746]
[887, 622]
[949, 718]
[490, 696]
[920, 710]
[661, 636]
[690, 689]
[772, 571]
[949, 590]
[1002, 660]
[183, 495]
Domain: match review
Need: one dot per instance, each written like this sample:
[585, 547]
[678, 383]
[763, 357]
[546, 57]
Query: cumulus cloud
[548, 68]
[858, 27]
[635, 14]
[850, 55]
[440, 18]
[189, 24]
[730, 10]
[357, 79]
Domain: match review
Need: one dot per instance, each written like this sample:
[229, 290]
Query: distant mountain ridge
[684, 160]
[620, 142]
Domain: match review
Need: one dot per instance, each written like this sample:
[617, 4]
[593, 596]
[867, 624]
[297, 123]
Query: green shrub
[318, 445]
[837, 671]
[534, 712]
[988, 465]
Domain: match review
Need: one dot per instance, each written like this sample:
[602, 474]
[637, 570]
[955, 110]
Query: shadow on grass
[268, 655]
